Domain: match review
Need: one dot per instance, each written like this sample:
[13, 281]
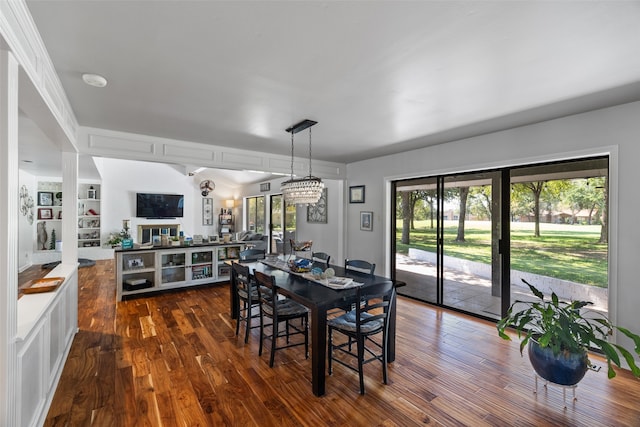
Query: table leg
[318, 349]
[391, 344]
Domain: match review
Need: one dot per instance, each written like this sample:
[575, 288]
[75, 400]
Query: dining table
[319, 299]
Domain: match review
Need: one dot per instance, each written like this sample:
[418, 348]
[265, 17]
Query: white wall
[26, 231]
[122, 179]
[327, 237]
[614, 131]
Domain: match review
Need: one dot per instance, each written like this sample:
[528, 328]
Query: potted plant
[114, 240]
[559, 335]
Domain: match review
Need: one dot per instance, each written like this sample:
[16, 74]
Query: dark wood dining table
[319, 299]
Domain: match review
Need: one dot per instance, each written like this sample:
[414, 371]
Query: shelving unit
[224, 254]
[88, 215]
[136, 271]
[149, 270]
[225, 224]
[201, 267]
[48, 215]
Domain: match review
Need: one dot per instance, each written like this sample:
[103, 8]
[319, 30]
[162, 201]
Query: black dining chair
[280, 310]
[359, 265]
[368, 326]
[247, 298]
[252, 254]
[321, 257]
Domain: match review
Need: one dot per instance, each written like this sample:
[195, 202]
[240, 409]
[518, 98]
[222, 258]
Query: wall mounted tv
[156, 206]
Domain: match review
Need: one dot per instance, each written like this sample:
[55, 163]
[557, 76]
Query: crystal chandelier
[307, 190]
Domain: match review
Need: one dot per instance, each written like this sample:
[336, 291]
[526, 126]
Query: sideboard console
[169, 267]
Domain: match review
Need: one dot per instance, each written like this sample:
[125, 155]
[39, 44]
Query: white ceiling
[378, 76]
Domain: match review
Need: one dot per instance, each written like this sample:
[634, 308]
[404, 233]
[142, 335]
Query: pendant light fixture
[307, 190]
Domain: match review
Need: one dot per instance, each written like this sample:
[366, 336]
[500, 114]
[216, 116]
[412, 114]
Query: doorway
[282, 225]
[466, 241]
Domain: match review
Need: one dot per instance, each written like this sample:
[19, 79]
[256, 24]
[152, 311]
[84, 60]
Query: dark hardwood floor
[174, 360]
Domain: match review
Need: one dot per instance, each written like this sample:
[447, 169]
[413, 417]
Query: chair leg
[384, 358]
[239, 318]
[274, 340]
[360, 344]
[261, 333]
[287, 329]
[248, 322]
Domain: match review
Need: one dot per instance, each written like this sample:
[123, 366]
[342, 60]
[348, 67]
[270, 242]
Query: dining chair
[321, 257]
[252, 254]
[368, 326]
[248, 298]
[359, 265]
[280, 310]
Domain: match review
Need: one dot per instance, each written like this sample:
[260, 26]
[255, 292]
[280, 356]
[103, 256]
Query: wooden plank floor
[173, 360]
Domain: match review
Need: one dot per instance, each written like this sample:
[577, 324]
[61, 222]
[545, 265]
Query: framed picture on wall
[366, 221]
[45, 198]
[45, 213]
[207, 211]
[317, 213]
[356, 194]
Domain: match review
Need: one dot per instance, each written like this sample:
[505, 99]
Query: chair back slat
[241, 276]
[321, 257]
[267, 289]
[373, 299]
[359, 265]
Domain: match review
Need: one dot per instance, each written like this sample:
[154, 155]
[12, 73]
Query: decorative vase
[565, 369]
[42, 235]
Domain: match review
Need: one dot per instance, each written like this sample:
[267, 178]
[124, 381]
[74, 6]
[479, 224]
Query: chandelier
[307, 190]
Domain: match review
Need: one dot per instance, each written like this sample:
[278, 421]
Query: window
[254, 220]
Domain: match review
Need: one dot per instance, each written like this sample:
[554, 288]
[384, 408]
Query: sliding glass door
[466, 241]
[283, 224]
[416, 235]
[471, 232]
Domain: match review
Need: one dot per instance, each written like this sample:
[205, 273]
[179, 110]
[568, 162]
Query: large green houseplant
[564, 328]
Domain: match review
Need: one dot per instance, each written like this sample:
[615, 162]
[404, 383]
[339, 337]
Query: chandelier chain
[310, 152]
[291, 155]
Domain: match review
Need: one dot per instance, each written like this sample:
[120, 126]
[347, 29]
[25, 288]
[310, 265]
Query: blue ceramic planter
[563, 369]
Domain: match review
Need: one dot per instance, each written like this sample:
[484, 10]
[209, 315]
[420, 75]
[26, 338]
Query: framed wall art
[207, 211]
[356, 194]
[366, 221]
[317, 213]
[45, 213]
[45, 198]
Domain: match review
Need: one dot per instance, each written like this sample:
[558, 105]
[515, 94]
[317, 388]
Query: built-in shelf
[168, 267]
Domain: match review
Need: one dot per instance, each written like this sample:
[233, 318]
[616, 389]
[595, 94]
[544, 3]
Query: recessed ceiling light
[94, 80]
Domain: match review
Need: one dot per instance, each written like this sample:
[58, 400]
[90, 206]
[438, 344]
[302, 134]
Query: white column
[70, 208]
[9, 183]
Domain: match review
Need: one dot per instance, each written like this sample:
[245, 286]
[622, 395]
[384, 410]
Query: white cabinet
[135, 271]
[149, 270]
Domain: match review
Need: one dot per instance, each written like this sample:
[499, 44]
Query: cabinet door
[172, 267]
[202, 265]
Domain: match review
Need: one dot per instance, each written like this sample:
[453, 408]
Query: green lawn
[563, 251]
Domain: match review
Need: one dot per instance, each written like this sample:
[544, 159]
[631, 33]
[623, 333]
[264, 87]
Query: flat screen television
[156, 206]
